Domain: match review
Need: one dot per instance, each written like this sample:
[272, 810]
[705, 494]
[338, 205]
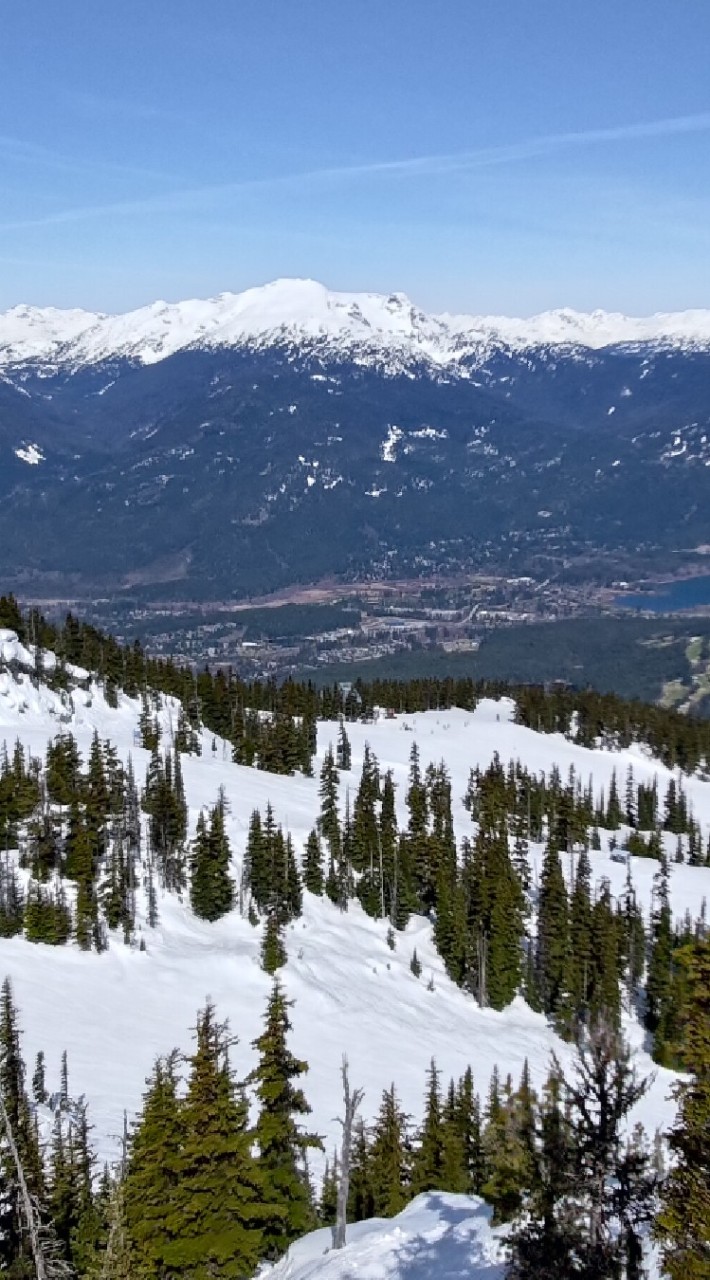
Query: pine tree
[313, 877]
[212, 888]
[593, 1193]
[220, 1201]
[428, 1163]
[273, 951]
[552, 934]
[343, 750]
[468, 1119]
[150, 1189]
[390, 1157]
[683, 1224]
[280, 1141]
[15, 1250]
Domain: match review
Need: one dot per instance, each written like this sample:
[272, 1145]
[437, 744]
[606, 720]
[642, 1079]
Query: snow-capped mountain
[382, 327]
[196, 447]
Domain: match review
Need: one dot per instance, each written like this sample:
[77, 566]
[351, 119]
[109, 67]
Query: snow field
[115, 1012]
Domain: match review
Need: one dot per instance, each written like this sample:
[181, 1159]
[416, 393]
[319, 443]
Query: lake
[669, 597]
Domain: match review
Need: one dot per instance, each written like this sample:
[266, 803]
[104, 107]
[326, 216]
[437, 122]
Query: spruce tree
[683, 1224]
[212, 888]
[273, 951]
[592, 1195]
[221, 1197]
[150, 1189]
[428, 1163]
[313, 877]
[280, 1140]
[15, 1250]
[390, 1157]
[552, 934]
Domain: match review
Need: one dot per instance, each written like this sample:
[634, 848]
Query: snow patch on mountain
[369, 327]
[31, 453]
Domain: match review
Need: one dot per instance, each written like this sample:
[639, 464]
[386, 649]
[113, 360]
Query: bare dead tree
[351, 1099]
[48, 1263]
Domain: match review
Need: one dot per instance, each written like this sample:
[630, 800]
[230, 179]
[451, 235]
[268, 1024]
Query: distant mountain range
[306, 314]
[255, 440]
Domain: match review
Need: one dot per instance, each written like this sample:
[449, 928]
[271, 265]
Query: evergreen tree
[468, 1119]
[281, 1142]
[313, 876]
[552, 934]
[150, 1191]
[212, 888]
[389, 1168]
[360, 1199]
[273, 951]
[592, 1198]
[659, 980]
[683, 1224]
[343, 750]
[428, 1163]
[507, 1148]
[15, 1251]
[221, 1195]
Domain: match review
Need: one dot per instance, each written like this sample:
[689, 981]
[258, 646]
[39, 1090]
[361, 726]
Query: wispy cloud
[411, 167]
[34, 155]
[127, 108]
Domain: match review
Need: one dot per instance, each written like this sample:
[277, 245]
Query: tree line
[228, 706]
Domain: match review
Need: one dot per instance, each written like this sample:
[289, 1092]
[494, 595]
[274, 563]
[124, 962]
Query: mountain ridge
[304, 312]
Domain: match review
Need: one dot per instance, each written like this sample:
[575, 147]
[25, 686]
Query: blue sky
[481, 155]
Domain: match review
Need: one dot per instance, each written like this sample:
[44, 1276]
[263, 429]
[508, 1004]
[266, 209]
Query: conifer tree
[212, 888]
[683, 1224]
[587, 1210]
[468, 1120]
[507, 1147]
[273, 951]
[220, 1202]
[15, 1247]
[280, 1140]
[389, 1168]
[343, 752]
[313, 877]
[552, 934]
[428, 1163]
[659, 980]
[360, 1198]
[150, 1189]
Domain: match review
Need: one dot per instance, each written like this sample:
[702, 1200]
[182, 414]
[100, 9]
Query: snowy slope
[374, 326]
[116, 1011]
[438, 1235]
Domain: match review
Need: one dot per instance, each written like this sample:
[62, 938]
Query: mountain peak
[377, 326]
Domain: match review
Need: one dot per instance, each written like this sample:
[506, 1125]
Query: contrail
[415, 166]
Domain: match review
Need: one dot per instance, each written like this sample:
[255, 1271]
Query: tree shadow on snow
[452, 1256]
